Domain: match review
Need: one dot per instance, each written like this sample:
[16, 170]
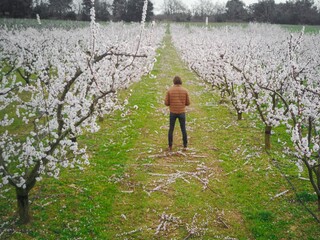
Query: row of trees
[56, 84]
[290, 12]
[130, 10]
[269, 73]
[106, 10]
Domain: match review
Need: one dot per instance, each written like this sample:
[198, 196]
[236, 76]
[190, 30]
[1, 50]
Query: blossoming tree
[54, 85]
[279, 72]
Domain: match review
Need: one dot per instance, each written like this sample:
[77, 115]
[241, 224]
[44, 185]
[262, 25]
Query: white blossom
[67, 83]
[264, 70]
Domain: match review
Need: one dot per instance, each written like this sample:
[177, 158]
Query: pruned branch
[110, 53]
[279, 194]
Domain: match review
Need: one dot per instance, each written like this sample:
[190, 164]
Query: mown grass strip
[140, 212]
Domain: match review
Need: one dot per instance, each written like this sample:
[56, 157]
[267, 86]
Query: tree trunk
[23, 205]
[240, 116]
[267, 137]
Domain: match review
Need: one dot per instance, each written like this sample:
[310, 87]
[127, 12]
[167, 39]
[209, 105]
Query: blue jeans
[182, 121]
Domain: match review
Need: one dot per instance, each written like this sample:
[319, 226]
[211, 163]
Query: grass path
[172, 188]
[222, 188]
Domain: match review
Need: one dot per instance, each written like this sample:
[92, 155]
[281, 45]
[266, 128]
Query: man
[177, 98]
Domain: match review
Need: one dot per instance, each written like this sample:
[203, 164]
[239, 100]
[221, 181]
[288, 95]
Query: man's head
[177, 80]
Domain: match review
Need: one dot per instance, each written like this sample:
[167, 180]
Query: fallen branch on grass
[194, 229]
[279, 194]
[165, 221]
[161, 165]
[235, 170]
[201, 174]
[177, 153]
[305, 179]
[129, 233]
[220, 219]
[130, 191]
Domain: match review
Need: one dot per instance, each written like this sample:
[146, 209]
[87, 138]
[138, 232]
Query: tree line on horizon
[105, 10]
[267, 11]
[289, 12]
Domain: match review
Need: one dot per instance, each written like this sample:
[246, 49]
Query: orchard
[267, 71]
[59, 82]
[61, 87]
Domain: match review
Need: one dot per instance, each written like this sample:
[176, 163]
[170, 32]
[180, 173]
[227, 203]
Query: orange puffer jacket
[177, 98]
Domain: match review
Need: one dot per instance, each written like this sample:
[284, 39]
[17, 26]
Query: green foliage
[15, 8]
[308, 28]
[134, 11]
[306, 196]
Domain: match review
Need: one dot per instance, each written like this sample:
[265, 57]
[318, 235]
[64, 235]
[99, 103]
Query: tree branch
[100, 57]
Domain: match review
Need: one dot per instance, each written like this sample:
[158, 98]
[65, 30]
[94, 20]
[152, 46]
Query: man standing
[177, 98]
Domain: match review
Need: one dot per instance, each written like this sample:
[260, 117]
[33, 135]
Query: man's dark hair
[177, 80]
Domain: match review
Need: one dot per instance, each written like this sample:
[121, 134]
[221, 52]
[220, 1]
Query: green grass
[16, 23]
[216, 24]
[292, 28]
[297, 28]
[125, 190]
